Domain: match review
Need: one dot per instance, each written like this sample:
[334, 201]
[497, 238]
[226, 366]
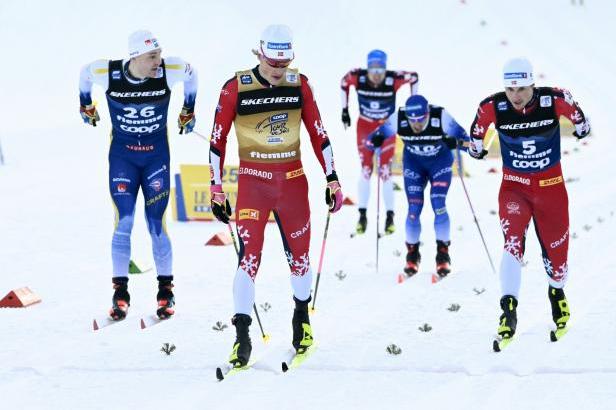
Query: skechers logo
[138, 94]
[525, 125]
[269, 100]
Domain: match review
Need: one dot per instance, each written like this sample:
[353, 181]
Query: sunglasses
[415, 120]
[376, 70]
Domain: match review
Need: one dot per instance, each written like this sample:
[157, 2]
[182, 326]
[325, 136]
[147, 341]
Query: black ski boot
[120, 300]
[413, 258]
[443, 261]
[509, 318]
[302, 332]
[560, 307]
[362, 223]
[165, 297]
[389, 223]
[242, 346]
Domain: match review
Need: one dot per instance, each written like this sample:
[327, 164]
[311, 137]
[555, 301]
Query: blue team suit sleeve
[453, 129]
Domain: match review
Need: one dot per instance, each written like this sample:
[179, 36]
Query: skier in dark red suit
[376, 93]
[527, 121]
[266, 105]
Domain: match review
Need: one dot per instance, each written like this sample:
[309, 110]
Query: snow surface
[56, 219]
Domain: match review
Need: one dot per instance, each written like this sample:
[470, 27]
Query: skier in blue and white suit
[428, 132]
[138, 91]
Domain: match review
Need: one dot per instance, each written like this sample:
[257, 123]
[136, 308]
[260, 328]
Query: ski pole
[378, 203]
[1, 155]
[198, 134]
[460, 174]
[316, 288]
[254, 306]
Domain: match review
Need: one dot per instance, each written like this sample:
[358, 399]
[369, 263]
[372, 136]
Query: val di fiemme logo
[248, 213]
[275, 124]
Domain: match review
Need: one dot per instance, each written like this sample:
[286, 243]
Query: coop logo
[513, 208]
[269, 100]
[525, 125]
[273, 155]
[559, 242]
[523, 164]
[297, 234]
[275, 125]
[248, 213]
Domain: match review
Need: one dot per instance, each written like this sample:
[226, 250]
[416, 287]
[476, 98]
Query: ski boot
[389, 223]
[560, 307]
[120, 300]
[509, 318]
[302, 332]
[165, 298]
[242, 346]
[362, 223]
[413, 258]
[443, 261]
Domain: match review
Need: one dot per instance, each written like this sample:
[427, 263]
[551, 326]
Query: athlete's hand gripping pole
[461, 175]
[254, 305]
[89, 114]
[186, 120]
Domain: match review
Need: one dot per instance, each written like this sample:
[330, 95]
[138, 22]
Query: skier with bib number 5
[138, 90]
[527, 122]
[266, 105]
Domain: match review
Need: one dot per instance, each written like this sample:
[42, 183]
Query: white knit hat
[518, 72]
[277, 42]
[141, 42]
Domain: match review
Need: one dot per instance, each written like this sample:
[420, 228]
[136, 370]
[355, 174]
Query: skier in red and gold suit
[266, 105]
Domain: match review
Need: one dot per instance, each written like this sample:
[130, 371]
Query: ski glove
[346, 118]
[377, 139]
[475, 149]
[186, 120]
[220, 204]
[582, 130]
[333, 193]
[89, 114]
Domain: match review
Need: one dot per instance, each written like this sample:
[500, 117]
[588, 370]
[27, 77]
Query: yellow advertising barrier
[192, 192]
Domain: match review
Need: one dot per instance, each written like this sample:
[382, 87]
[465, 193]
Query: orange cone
[220, 239]
[18, 298]
[400, 278]
[434, 278]
[348, 201]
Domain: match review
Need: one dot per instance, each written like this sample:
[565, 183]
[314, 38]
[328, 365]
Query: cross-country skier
[527, 121]
[138, 89]
[266, 105]
[376, 91]
[427, 131]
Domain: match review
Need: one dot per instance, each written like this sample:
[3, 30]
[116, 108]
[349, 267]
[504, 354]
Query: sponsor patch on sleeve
[248, 213]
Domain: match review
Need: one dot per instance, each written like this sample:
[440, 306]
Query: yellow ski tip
[312, 310]
[266, 338]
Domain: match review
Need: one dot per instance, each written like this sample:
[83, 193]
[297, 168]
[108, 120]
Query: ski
[556, 335]
[294, 359]
[149, 321]
[499, 345]
[101, 322]
[229, 369]
[402, 277]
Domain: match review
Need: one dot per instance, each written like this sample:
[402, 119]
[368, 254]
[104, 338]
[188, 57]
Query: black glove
[578, 136]
[346, 118]
[450, 142]
[377, 139]
[220, 204]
